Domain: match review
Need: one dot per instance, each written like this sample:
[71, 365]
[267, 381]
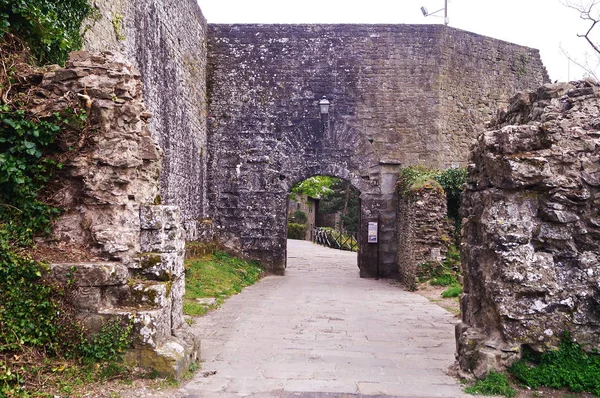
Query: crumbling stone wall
[531, 231]
[166, 41]
[424, 233]
[391, 87]
[123, 255]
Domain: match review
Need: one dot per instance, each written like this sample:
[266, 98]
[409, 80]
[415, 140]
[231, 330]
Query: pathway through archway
[321, 329]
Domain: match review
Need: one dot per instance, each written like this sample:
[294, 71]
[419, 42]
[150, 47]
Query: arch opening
[324, 210]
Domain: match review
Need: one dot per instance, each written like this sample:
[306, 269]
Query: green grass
[446, 279]
[218, 275]
[569, 367]
[452, 291]
[493, 384]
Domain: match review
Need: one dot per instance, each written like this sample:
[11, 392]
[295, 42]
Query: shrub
[300, 217]
[296, 231]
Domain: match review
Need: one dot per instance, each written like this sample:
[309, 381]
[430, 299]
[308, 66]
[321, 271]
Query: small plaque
[372, 233]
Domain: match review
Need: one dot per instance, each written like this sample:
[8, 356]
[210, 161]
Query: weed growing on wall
[451, 181]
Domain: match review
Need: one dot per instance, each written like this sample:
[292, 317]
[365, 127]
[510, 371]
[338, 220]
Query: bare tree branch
[587, 12]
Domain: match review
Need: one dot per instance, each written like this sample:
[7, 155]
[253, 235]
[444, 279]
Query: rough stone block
[177, 293]
[155, 217]
[160, 266]
[89, 274]
[86, 298]
[152, 328]
[170, 359]
[142, 294]
[162, 241]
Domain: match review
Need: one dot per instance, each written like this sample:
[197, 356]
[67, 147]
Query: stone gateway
[400, 95]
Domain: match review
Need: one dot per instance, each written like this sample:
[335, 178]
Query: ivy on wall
[50, 28]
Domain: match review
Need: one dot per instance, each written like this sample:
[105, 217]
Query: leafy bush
[493, 384]
[49, 27]
[415, 178]
[296, 231]
[24, 171]
[300, 217]
[569, 366]
[28, 312]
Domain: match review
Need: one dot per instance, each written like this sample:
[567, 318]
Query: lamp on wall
[445, 9]
[324, 105]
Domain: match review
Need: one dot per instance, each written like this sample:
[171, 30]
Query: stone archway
[393, 91]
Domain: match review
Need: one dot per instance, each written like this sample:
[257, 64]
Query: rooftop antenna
[445, 9]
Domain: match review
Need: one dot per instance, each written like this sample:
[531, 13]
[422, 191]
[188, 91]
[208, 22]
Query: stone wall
[120, 255]
[424, 233]
[531, 230]
[166, 41]
[393, 90]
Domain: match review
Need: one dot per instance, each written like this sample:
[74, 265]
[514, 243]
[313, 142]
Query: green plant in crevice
[493, 384]
[569, 366]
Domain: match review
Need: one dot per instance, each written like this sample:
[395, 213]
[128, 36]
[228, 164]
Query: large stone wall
[166, 41]
[531, 236]
[395, 91]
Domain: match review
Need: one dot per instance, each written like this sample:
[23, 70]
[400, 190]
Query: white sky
[543, 24]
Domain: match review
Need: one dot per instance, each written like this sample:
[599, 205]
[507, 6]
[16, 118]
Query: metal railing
[335, 239]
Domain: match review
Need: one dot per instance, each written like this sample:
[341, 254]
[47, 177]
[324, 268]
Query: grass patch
[217, 275]
[452, 291]
[493, 384]
[446, 279]
[568, 367]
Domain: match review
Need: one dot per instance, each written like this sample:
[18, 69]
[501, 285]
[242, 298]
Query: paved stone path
[321, 331]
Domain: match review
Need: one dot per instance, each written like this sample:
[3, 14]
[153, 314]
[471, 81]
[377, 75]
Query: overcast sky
[543, 24]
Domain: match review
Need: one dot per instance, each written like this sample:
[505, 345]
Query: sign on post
[372, 232]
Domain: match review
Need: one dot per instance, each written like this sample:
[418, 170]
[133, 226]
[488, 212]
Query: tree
[588, 12]
[318, 187]
[344, 199]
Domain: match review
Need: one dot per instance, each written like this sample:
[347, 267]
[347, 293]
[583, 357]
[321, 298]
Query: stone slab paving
[321, 331]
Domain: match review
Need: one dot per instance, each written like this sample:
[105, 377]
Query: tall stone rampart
[166, 41]
[531, 230]
[401, 95]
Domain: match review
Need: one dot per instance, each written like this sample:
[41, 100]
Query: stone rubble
[531, 229]
[107, 189]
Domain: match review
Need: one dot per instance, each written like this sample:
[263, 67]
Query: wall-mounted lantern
[324, 105]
